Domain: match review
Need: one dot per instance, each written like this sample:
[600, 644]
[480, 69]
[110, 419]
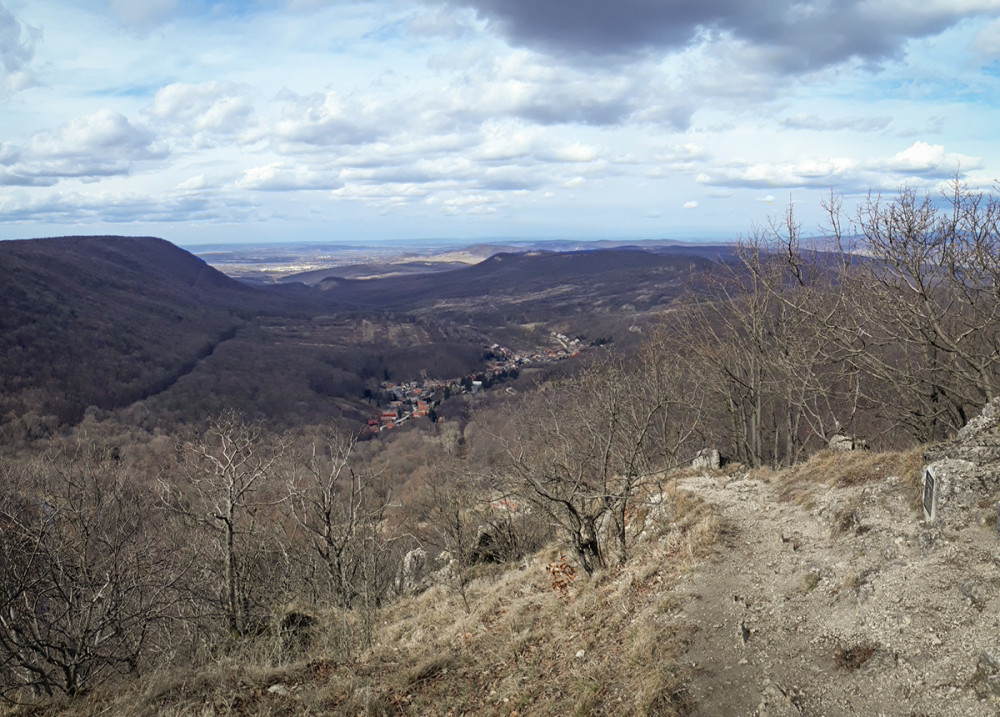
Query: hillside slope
[812, 591]
[106, 321]
[600, 293]
[608, 277]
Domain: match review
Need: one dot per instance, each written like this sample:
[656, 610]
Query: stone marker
[962, 475]
[952, 489]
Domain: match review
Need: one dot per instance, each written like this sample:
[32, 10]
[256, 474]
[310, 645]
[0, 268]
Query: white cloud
[575, 153]
[17, 48]
[102, 132]
[917, 164]
[194, 184]
[278, 176]
[210, 105]
[808, 120]
[807, 172]
[331, 119]
[987, 42]
[102, 144]
[530, 87]
[79, 208]
[416, 109]
[923, 158]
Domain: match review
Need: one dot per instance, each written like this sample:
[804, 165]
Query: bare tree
[926, 305]
[341, 502]
[582, 451]
[765, 333]
[226, 485]
[88, 577]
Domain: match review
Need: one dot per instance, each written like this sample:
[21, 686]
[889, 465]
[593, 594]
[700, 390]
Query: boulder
[986, 680]
[414, 569]
[842, 442]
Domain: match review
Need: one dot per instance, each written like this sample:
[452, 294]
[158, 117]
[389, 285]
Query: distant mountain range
[591, 277]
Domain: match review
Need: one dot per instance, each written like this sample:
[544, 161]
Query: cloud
[799, 35]
[920, 165]
[573, 153]
[516, 141]
[17, 49]
[834, 124]
[531, 87]
[143, 14]
[330, 119]
[103, 132]
[921, 158]
[384, 195]
[193, 184]
[440, 22]
[200, 112]
[690, 205]
[808, 172]
[123, 208]
[280, 177]
[987, 42]
[102, 144]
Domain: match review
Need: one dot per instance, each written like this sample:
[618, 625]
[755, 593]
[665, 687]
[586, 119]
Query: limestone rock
[984, 427]
[986, 680]
[414, 567]
[963, 475]
[707, 459]
[841, 442]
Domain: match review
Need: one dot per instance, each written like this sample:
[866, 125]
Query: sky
[332, 120]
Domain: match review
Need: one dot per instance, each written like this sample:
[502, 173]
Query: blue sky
[325, 120]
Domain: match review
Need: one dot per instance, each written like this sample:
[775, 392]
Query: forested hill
[584, 277]
[106, 320]
[113, 264]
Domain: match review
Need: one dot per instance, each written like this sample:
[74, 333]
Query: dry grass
[843, 469]
[609, 645]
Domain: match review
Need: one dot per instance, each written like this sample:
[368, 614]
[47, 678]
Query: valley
[178, 346]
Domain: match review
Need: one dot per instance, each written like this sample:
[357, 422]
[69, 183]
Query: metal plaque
[929, 486]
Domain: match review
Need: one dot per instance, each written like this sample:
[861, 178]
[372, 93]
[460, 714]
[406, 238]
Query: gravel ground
[841, 602]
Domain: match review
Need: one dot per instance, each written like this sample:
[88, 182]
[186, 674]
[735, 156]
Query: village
[416, 399]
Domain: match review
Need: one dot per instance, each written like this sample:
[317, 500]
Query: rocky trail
[841, 601]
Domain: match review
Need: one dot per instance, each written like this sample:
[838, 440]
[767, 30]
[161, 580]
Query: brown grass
[608, 644]
[843, 469]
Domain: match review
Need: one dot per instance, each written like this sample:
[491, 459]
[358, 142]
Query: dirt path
[848, 606]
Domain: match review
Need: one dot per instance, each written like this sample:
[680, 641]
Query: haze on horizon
[324, 120]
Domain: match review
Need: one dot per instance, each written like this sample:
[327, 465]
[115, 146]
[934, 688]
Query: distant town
[403, 402]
